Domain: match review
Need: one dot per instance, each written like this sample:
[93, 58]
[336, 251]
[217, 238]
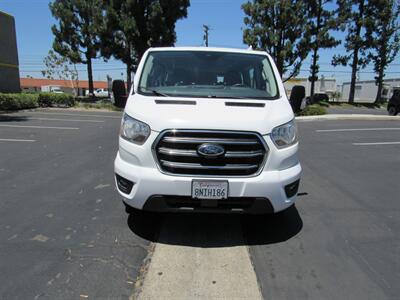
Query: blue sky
[33, 22]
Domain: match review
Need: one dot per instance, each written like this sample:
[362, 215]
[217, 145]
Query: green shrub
[18, 101]
[52, 99]
[324, 104]
[313, 110]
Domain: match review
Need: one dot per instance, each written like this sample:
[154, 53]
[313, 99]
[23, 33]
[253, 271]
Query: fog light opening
[124, 185]
[292, 188]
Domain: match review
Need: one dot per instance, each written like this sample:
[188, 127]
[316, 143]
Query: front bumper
[150, 184]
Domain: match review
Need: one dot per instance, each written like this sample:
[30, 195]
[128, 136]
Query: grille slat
[244, 154]
[190, 140]
[177, 153]
[207, 167]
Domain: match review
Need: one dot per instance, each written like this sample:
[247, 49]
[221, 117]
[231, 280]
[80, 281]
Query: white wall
[366, 90]
[328, 86]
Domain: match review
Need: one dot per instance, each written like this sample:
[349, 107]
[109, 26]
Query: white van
[207, 129]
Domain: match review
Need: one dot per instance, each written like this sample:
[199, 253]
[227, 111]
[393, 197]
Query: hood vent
[176, 102]
[245, 104]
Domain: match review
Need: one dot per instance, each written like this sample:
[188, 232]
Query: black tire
[392, 111]
[119, 91]
[296, 97]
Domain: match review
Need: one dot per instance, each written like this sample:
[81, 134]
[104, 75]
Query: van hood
[162, 113]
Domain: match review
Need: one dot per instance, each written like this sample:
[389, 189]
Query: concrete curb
[348, 117]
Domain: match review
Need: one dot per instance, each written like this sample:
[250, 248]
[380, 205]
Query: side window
[268, 75]
[252, 78]
[146, 72]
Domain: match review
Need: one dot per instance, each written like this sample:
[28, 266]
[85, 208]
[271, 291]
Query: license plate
[209, 189]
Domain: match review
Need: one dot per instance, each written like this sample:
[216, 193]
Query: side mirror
[296, 97]
[119, 92]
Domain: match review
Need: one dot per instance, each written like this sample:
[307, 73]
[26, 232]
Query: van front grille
[180, 152]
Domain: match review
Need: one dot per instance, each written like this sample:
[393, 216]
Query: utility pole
[206, 29]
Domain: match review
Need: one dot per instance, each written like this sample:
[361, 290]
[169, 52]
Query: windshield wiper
[155, 92]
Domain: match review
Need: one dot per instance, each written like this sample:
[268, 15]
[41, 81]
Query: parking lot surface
[62, 226]
[64, 234]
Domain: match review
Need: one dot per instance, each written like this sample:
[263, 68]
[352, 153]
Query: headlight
[285, 135]
[133, 130]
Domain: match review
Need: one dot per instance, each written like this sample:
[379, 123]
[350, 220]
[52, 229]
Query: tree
[60, 67]
[321, 21]
[131, 27]
[383, 35]
[280, 28]
[77, 33]
[355, 14]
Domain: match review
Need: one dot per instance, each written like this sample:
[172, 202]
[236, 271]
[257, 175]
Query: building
[366, 90]
[323, 85]
[67, 86]
[9, 66]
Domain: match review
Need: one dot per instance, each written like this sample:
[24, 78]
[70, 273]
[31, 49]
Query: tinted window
[208, 74]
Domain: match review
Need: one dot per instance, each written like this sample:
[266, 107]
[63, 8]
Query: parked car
[207, 129]
[393, 106]
[317, 98]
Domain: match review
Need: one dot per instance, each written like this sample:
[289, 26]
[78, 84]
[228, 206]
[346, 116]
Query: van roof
[212, 49]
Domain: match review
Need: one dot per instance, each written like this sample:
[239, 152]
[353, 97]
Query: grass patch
[324, 103]
[98, 105]
[313, 110]
[352, 105]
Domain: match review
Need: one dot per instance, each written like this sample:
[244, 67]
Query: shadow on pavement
[8, 118]
[216, 230]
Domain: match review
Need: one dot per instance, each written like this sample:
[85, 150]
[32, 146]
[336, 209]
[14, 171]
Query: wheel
[392, 111]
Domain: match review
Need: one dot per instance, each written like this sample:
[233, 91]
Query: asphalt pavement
[64, 233]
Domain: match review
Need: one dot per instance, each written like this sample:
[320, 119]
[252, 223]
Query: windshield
[208, 74]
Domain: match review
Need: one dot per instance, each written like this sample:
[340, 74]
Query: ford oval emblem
[210, 150]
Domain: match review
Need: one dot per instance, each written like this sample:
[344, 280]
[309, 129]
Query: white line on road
[357, 129]
[375, 144]
[77, 115]
[16, 140]
[68, 120]
[39, 127]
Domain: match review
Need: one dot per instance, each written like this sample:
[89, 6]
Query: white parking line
[78, 115]
[375, 144]
[357, 129]
[67, 120]
[39, 127]
[16, 140]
